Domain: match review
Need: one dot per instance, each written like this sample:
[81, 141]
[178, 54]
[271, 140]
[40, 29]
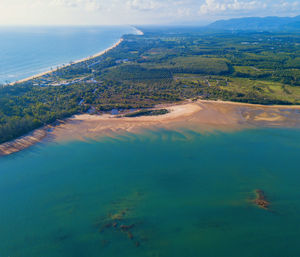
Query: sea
[156, 193]
[27, 51]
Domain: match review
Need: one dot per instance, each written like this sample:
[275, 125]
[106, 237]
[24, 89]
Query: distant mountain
[259, 24]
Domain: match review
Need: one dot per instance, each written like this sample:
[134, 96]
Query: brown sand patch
[269, 117]
[22, 142]
[198, 116]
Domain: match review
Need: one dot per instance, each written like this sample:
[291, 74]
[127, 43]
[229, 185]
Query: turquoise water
[184, 194]
[27, 51]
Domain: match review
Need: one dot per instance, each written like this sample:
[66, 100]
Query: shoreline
[198, 116]
[137, 32]
[23, 142]
[67, 65]
[39, 134]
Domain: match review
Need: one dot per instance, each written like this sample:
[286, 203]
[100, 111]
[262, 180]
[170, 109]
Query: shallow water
[186, 194]
[27, 51]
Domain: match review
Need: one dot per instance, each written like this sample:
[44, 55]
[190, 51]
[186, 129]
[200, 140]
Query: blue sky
[85, 12]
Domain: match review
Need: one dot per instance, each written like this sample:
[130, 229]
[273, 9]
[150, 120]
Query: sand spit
[197, 116]
[28, 140]
[92, 126]
[23, 142]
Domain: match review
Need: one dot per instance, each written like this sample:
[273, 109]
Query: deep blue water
[27, 51]
[184, 194]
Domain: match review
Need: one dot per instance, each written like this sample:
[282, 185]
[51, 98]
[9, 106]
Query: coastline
[23, 142]
[39, 134]
[67, 65]
[137, 32]
[198, 116]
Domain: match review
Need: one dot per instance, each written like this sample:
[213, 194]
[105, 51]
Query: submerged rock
[121, 219]
[105, 226]
[126, 227]
[130, 236]
[261, 200]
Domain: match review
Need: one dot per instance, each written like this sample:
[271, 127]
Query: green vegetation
[147, 113]
[191, 64]
[162, 66]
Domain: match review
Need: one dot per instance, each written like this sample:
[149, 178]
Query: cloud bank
[138, 11]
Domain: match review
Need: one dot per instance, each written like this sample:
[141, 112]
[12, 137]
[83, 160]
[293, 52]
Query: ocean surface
[160, 193]
[27, 51]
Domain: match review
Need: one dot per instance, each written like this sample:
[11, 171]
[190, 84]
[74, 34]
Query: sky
[138, 12]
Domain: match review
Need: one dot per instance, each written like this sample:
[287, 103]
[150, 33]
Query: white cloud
[143, 5]
[92, 6]
[63, 3]
[138, 11]
[216, 6]
[184, 12]
[87, 5]
[293, 7]
[159, 5]
[239, 8]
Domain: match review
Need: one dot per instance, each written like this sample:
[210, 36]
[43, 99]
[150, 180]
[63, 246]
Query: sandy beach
[197, 116]
[23, 142]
